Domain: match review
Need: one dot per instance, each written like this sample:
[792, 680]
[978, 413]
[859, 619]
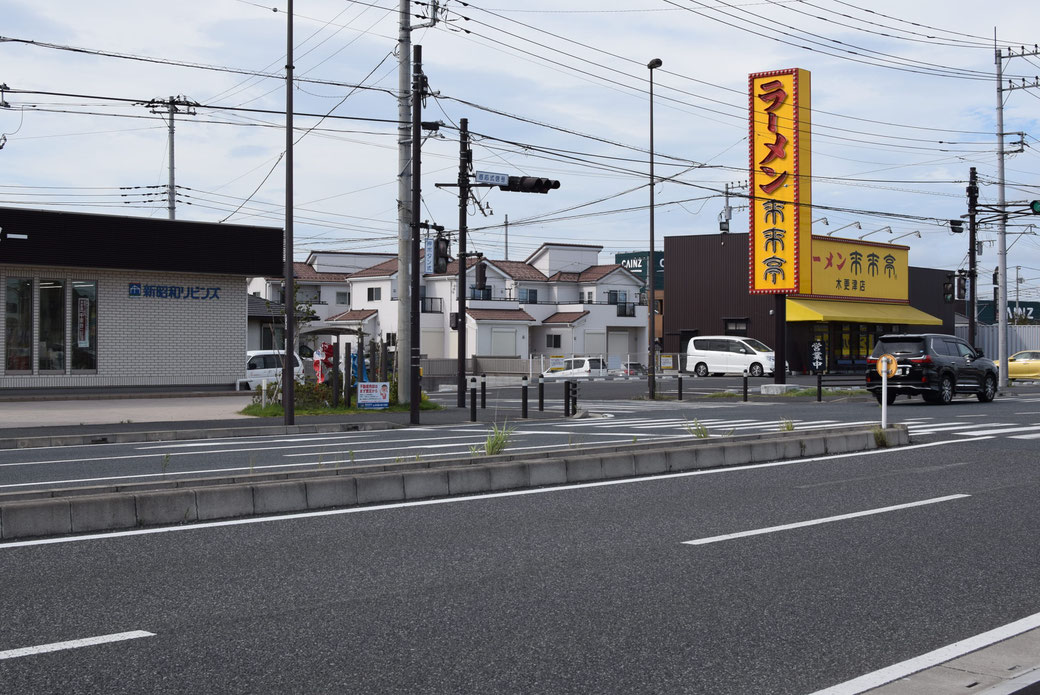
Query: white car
[266, 364]
[727, 354]
[578, 367]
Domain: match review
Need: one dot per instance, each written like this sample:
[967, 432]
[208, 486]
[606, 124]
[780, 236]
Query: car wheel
[891, 397]
[756, 370]
[701, 369]
[989, 389]
[945, 395]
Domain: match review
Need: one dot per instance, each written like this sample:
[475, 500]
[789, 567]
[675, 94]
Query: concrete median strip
[80, 510]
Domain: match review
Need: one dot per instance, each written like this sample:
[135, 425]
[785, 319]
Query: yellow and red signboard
[780, 185]
[847, 269]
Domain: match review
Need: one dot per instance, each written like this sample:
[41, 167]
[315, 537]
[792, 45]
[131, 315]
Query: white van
[727, 354]
[578, 367]
[266, 364]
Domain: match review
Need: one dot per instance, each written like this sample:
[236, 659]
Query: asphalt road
[585, 589]
[622, 421]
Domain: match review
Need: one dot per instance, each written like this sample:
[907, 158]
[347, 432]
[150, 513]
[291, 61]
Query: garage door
[503, 341]
[617, 343]
[432, 344]
[595, 343]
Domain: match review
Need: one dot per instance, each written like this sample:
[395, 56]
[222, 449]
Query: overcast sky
[904, 101]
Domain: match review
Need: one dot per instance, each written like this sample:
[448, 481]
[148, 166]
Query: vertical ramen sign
[780, 232]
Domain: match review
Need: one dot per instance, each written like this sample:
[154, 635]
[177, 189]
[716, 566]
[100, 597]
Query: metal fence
[988, 338]
[533, 365]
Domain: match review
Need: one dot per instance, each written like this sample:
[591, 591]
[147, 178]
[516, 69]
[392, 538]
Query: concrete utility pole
[169, 106]
[404, 187]
[1002, 338]
[973, 275]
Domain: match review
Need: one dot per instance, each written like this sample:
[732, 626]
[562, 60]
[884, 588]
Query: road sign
[492, 178]
[886, 365]
[428, 257]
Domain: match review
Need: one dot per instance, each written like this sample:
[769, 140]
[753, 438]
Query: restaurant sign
[780, 185]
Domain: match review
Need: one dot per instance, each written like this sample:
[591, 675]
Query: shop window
[51, 354]
[18, 325]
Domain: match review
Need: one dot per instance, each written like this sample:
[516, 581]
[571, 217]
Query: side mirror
[978, 351]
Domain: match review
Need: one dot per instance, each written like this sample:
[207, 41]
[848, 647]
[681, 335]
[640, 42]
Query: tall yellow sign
[780, 237]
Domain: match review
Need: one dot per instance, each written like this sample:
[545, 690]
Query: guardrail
[837, 380]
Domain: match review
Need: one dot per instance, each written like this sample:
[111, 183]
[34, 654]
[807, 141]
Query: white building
[558, 301]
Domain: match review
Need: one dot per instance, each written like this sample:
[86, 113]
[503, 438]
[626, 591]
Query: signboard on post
[373, 394]
[556, 362]
[781, 193]
[816, 355]
[428, 257]
[492, 178]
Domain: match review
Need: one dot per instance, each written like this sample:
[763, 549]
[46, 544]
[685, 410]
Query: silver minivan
[578, 367]
[727, 354]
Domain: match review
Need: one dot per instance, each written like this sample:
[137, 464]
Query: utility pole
[1002, 338]
[418, 87]
[507, 237]
[289, 358]
[465, 159]
[404, 184]
[169, 106]
[973, 202]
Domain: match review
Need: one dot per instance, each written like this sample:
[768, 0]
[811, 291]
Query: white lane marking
[74, 644]
[1000, 431]
[825, 520]
[1035, 435]
[467, 498]
[172, 445]
[933, 658]
[932, 429]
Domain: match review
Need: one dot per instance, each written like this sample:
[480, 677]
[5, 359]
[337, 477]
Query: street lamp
[883, 229]
[857, 225]
[914, 233]
[651, 268]
[822, 219]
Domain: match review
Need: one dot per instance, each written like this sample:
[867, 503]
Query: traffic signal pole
[464, 157]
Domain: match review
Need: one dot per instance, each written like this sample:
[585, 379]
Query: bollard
[541, 393]
[819, 387]
[473, 399]
[523, 397]
[574, 398]
[745, 386]
[680, 387]
[566, 399]
[483, 391]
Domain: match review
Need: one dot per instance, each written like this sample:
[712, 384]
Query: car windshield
[899, 346]
[757, 345]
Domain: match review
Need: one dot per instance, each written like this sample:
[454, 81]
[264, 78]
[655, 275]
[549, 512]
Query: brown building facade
[708, 294]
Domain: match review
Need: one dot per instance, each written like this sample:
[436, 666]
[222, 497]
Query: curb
[206, 433]
[71, 510]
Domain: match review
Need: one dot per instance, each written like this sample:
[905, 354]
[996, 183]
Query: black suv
[934, 366]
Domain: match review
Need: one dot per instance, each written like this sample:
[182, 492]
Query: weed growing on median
[165, 464]
[879, 437]
[786, 424]
[498, 439]
[697, 429]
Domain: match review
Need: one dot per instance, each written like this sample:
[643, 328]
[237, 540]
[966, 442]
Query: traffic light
[996, 277]
[530, 184]
[1034, 207]
[440, 255]
[948, 290]
[957, 226]
[481, 283]
[962, 286]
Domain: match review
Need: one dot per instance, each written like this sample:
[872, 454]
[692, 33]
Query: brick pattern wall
[146, 340]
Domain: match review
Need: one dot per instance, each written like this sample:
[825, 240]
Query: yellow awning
[857, 312]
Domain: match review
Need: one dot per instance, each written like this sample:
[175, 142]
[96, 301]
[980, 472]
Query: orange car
[1024, 365]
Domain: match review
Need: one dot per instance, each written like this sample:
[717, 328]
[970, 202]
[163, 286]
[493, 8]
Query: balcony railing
[626, 309]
